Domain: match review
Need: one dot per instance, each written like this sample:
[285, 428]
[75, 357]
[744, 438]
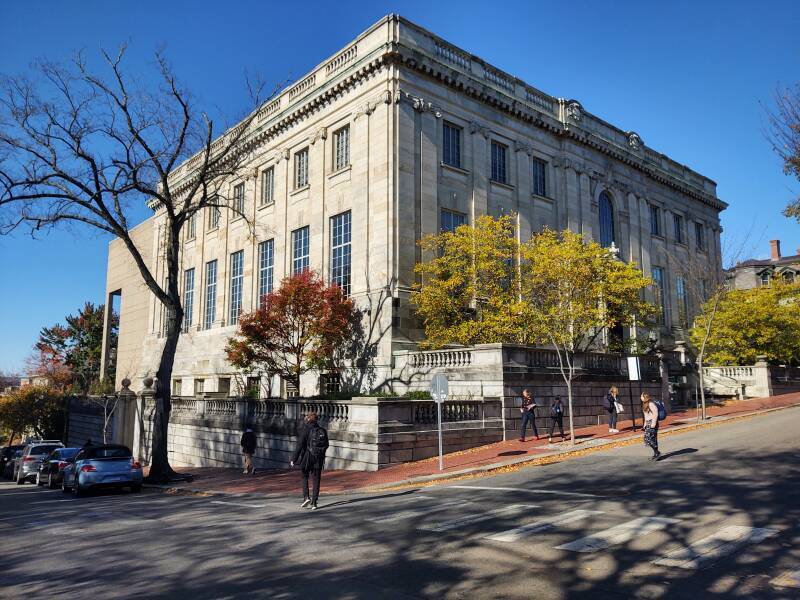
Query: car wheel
[79, 491]
[39, 482]
[50, 484]
[20, 479]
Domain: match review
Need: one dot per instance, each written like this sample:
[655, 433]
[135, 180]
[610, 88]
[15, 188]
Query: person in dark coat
[528, 410]
[610, 404]
[310, 457]
[556, 418]
[248, 449]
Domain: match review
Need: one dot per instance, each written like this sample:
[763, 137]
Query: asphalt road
[718, 518]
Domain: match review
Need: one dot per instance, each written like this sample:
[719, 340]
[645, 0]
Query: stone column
[124, 415]
[141, 443]
[763, 382]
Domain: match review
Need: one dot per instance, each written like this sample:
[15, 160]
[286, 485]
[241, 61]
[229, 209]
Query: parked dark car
[27, 465]
[103, 466]
[51, 471]
[11, 464]
[7, 459]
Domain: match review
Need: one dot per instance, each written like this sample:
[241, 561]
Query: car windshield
[42, 449]
[113, 452]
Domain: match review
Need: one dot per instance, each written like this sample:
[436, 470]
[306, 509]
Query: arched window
[607, 234]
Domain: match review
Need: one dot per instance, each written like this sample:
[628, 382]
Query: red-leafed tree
[305, 324]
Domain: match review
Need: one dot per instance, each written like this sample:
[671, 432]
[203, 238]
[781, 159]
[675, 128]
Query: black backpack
[317, 442]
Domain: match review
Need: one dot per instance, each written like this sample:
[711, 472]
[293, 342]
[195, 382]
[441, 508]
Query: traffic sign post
[439, 390]
[634, 374]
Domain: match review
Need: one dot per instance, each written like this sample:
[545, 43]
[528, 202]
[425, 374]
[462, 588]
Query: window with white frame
[340, 251]
[539, 177]
[177, 387]
[268, 186]
[683, 301]
[211, 294]
[655, 220]
[300, 250]
[238, 201]
[191, 227]
[199, 386]
[451, 220]
[266, 268]
[658, 284]
[213, 215]
[765, 277]
[237, 283]
[700, 236]
[188, 298]
[341, 148]
[451, 145]
[301, 168]
[499, 162]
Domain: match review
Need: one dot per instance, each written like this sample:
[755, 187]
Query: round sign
[439, 387]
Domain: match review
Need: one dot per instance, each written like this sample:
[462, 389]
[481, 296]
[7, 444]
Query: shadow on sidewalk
[677, 453]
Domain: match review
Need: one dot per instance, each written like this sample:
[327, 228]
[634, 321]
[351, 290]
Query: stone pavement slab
[510, 453]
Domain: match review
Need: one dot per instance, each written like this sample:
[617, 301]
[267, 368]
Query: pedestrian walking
[248, 449]
[88, 443]
[556, 418]
[528, 410]
[310, 457]
[650, 412]
[611, 404]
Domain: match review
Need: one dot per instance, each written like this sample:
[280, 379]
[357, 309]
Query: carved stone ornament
[575, 110]
[421, 105]
[319, 134]
[634, 141]
[522, 147]
[475, 127]
[385, 97]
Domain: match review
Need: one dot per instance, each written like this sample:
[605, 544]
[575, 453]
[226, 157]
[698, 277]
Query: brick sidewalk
[281, 481]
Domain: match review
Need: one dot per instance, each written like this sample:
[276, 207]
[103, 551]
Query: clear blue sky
[689, 77]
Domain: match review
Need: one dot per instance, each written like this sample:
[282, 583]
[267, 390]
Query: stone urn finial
[148, 382]
[126, 384]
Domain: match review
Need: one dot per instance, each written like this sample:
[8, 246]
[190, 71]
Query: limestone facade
[434, 136]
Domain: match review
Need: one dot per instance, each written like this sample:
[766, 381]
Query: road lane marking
[238, 504]
[789, 579]
[512, 535]
[530, 491]
[714, 546]
[421, 512]
[618, 534]
[514, 509]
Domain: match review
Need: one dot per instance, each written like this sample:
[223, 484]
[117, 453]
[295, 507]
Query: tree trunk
[160, 469]
[571, 420]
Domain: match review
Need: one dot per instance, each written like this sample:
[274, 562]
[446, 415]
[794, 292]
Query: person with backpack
[556, 418]
[610, 404]
[652, 415]
[528, 410]
[310, 457]
[248, 449]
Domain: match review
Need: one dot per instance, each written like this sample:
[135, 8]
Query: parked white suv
[28, 464]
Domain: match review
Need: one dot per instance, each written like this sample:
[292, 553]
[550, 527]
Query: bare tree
[79, 146]
[784, 135]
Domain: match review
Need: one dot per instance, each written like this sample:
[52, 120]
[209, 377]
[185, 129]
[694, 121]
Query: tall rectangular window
[268, 186]
[300, 249]
[539, 177]
[213, 215]
[700, 236]
[499, 162]
[301, 168]
[655, 220]
[450, 220]
[677, 226]
[238, 201]
[237, 283]
[451, 145]
[266, 268]
[658, 283]
[340, 251]
[191, 227]
[341, 148]
[188, 298]
[211, 294]
[683, 302]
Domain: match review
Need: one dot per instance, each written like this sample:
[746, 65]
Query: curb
[505, 466]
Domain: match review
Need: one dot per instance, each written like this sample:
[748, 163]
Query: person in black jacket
[248, 449]
[610, 404]
[310, 457]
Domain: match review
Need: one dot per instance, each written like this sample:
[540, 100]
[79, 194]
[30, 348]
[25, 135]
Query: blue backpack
[662, 410]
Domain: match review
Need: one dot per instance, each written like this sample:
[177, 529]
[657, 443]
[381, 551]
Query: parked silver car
[27, 465]
[102, 466]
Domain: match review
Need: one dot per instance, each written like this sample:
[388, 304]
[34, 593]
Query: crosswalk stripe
[714, 546]
[512, 535]
[419, 512]
[526, 490]
[787, 579]
[618, 534]
[485, 516]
